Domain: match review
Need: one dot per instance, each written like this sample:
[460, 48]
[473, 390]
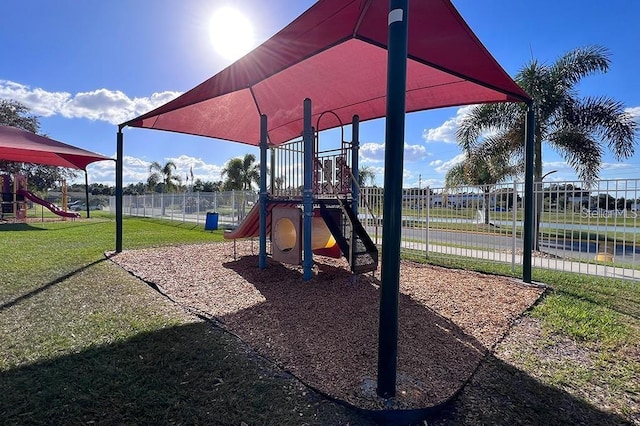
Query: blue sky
[85, 66]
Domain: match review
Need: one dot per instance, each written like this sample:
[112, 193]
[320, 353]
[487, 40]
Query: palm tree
[575, 127]
[366, 174]
[163, 173]
[241, 173]
[476, 170]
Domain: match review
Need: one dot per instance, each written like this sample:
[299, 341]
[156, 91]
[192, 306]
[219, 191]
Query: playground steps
[352, 238]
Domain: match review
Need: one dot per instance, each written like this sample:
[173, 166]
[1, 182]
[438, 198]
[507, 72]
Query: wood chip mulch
[325, 330]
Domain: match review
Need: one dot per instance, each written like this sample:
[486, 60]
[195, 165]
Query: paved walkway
[541, 262]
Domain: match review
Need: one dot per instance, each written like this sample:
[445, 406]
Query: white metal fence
[232, 207]
[593, 230]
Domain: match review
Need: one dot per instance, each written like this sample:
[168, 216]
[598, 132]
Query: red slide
[55, 209]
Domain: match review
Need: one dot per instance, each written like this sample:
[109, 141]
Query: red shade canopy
[27, 147]
[335, 54]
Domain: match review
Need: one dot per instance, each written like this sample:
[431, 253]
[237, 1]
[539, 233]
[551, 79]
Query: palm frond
[155, 167]
[485, 118]
[581, 152]
[579, 63]
[606, 119]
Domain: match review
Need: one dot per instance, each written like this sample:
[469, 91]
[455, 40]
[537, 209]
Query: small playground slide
[250, 226]
[55, 209]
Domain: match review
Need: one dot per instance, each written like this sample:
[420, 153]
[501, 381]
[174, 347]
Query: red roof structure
[27, 147]
[336, 54]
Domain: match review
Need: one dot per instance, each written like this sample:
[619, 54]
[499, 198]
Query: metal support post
[307, 194]
[262, 261]
[529, 202]
[355, 149]
[392, 213]
[119, 162]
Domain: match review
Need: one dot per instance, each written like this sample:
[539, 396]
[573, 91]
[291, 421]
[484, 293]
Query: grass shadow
[190, 374]
[67, 225]
[501, 394]
[47, 286]
[5, 227]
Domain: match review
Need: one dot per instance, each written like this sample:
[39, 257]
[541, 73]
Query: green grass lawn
[83, 341]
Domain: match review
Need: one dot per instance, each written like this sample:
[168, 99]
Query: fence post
[426, 223]
[198, 208]
[514, 207]
[233, 206]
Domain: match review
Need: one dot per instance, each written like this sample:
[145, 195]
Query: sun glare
[231, 33]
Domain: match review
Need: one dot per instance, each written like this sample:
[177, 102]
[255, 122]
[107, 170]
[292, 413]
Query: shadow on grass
[5, 227]
[191, 374]
[47, 286]
[500, 394]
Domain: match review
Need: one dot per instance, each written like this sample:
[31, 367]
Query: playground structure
[15, 195]
[303, 217]
[435, 62]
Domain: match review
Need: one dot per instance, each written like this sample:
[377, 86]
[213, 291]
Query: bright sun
[231, 33]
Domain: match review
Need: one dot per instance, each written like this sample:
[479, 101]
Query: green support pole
[355, 148]
[528, 194]
[119, 151]
[392, 219]
[307, 194]
[86, 191]
[262, 259]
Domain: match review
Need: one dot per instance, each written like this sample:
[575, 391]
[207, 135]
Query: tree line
[39, 177]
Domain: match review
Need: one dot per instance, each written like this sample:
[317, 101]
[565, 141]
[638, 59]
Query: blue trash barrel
[211, 223]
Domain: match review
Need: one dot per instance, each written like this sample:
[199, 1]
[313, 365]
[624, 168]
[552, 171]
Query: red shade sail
[335, 54]
[27, 147]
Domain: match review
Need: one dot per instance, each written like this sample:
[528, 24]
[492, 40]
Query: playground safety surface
[325, 331]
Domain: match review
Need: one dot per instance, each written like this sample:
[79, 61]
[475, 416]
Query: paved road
[569, 249]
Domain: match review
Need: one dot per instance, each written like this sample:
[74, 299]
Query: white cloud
[374, 152]
[446, 132]
[137, 170]
[617, 166]
[201, 170]
[635, 112]
[444, 166]
[111, 106]
[414, 152]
